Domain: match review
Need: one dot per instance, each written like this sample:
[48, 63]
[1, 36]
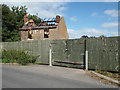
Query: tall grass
[17, 56]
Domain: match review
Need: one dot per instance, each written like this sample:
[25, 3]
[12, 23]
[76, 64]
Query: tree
[11, 21]
[102, 36]
[0, 22]
[85, 36]
[36, 19]
[6, 23]
[19, 12]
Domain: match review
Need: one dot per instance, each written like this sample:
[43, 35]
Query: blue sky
[82, 18]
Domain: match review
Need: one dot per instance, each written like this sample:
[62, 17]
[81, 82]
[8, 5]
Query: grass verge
[101, 79]
[113, 75]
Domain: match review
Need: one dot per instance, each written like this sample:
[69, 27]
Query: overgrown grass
[0, 60]
[17, 56]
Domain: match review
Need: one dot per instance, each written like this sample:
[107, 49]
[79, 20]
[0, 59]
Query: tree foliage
[12, 20]
[36, 19]
[102, 36]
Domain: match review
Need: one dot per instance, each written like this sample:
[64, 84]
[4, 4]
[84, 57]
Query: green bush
[8, 56]
[17, 56]
[5, 61]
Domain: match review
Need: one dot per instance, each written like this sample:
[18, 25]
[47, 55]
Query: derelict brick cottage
[50, 29]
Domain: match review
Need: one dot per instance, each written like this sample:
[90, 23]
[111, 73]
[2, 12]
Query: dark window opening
[29, 35]
[46, 36]
[46, 33]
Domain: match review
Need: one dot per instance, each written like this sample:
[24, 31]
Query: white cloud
[73, 18]
[90, 32]
[94, 14]
[111, 0]
[59, 0]
[62, 8]
[36, 0]
[44, 9]
[112, 12]
[110, 24]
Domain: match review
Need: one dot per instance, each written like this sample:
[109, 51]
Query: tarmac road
[43, 76]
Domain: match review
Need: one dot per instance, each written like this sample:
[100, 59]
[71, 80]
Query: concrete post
[86, 60]
[50, 56]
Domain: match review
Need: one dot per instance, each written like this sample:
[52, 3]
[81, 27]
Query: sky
[81, 18]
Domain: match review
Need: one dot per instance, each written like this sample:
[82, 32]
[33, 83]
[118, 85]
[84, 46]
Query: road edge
[103, 78]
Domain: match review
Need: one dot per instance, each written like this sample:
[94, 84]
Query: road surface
[43, 76]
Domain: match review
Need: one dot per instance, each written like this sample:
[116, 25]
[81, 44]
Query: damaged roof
[45, 24]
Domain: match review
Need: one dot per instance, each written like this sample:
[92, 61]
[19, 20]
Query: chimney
[25, 18]
[57, 18]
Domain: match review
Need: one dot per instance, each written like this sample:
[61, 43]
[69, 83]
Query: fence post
[86, 60]
[50, 56]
